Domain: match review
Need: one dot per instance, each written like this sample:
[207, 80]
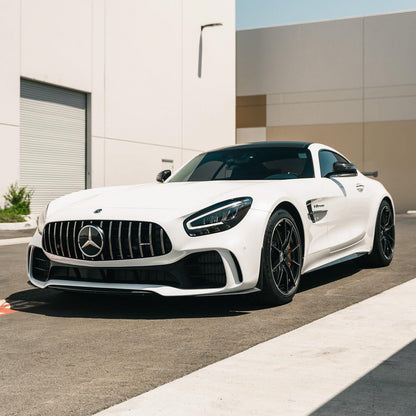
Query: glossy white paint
[345, 230]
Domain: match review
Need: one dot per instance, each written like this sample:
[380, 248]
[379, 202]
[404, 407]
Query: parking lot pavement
[342, 364]
[78, 354]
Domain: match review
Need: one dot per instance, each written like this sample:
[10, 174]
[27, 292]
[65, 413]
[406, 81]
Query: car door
[348, 222]
[325, 203]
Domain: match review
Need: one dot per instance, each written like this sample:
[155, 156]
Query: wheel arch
[372, 226]
[389, 200]
[293, 211]
[377, 257]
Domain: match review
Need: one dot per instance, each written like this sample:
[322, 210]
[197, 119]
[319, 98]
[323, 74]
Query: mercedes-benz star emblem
[91, 240]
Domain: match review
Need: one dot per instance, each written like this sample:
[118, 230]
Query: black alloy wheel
[282, 259]
[384, 237]
[387, 232]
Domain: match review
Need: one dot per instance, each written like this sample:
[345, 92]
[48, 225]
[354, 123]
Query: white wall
[295, 58]
[56, 42]
[209, 99]
[139, 61]
[9, 93]
[390, 67]
[340, 71]
[348, 83]
[156, 105]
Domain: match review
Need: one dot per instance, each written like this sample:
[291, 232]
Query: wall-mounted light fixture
[210, 25]
[200, 46]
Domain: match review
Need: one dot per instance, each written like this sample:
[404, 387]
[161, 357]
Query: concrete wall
[9, 93]
[140, 61]
[347, 83]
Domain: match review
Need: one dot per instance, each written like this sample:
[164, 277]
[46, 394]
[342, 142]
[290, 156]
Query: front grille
[122, 239]
[196, 271]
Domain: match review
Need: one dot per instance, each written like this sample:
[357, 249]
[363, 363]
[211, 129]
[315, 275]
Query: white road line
[293, 374]
[13, 241]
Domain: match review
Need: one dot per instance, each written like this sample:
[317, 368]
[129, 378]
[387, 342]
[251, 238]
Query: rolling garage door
[52, 141]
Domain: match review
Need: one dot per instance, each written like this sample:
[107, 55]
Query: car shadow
[51, 302]
[329, 274]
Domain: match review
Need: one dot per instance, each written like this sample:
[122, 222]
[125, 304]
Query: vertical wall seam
[182, 58]
[235, 81]
[20, 77]
[105, 90]
[92, 48]
[20, 37]
[88, 108]
[363, 93]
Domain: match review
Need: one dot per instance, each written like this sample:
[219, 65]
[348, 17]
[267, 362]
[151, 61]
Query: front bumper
[221, 263]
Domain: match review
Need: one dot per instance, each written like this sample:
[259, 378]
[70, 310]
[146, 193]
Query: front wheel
[384, 237]
[281, 261]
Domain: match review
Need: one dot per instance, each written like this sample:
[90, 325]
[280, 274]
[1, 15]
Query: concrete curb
[14, 241]
[29, 224]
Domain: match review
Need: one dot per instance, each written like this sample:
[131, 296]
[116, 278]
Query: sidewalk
[359, 360]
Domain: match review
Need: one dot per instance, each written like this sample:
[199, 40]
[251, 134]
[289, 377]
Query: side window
[327, 160]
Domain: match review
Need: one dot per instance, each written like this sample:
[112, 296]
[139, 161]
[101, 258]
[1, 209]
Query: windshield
[270, 163]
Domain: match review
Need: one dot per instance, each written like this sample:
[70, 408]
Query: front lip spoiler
[241, 292]
[137, 291]
[101, 290]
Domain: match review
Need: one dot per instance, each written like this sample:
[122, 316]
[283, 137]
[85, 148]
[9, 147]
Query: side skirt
[335, 262]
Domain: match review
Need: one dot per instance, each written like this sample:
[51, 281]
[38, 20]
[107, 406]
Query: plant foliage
[9, 215]
[18, 199]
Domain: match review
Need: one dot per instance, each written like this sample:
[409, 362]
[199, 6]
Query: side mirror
[343, 168]
[162, 176]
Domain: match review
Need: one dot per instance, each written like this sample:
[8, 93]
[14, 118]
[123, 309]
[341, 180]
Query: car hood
[181, 198]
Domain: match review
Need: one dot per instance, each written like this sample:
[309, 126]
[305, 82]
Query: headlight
[218, 217]
[42, 219]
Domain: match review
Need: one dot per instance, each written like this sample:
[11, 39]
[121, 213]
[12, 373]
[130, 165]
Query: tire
[384, 237]
[281, 260]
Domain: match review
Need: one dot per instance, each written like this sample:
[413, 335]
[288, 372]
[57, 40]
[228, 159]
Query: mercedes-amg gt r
[246, 218]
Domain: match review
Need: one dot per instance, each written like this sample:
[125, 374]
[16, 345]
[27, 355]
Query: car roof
[292, 145]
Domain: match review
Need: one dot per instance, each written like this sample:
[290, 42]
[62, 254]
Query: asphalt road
[78, 354]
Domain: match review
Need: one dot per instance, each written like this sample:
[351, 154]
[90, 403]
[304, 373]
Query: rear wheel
[384, 237]
[281, 261]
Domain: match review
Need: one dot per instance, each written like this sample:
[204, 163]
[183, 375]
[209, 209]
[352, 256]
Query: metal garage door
[52, 141]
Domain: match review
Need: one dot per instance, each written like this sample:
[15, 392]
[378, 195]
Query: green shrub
[10, 215]
[18, 198]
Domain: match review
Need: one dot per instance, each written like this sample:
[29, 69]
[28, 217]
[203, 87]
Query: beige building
[105, 92]
[348, 83]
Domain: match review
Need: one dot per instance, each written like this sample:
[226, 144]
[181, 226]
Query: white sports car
[240, 219]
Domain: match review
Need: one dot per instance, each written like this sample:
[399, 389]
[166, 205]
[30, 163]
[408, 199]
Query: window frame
[310, 157]
[333, 152]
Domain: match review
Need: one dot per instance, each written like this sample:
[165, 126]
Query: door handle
[359, 187]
